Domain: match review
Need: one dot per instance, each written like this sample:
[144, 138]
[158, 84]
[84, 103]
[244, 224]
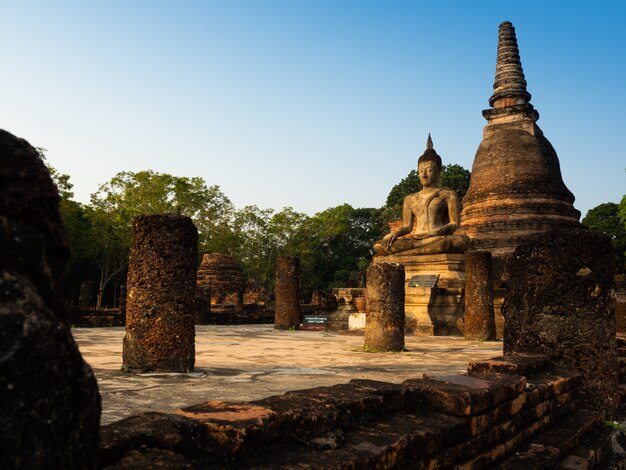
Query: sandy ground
[249, 362]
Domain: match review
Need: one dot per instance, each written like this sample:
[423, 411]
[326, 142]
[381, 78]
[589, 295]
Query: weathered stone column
[480, 320]
[560, 302]
[161, 286]
[85, 297]
[121, 303]
[287, 312]
[384, 320]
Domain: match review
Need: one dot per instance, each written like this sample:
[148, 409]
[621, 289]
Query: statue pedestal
[437, 310]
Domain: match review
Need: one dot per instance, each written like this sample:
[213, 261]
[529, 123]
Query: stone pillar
[287, 312]
[121, 302]
[480, 321]
[161, 286]
[384, 321]
[85, 297]
[560, 302]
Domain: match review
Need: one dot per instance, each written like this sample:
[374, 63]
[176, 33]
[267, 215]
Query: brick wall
[484, 419]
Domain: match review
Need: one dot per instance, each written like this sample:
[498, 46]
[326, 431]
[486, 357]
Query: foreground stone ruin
[560, 302]
[516, 411]
[50, 410]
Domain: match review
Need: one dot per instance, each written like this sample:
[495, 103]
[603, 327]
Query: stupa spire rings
[509, 87]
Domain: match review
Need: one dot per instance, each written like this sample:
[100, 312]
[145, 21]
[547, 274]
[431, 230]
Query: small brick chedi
[218, 276]
[161, 284]
[516, 188]
[287, 314]
[560, 303]
[384, 322]
[50, 412]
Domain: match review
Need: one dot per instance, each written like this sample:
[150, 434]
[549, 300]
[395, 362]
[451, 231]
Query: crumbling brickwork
[161, 286]
[384, 321]
[287, 311]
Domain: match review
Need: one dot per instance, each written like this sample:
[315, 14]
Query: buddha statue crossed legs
[430, 216]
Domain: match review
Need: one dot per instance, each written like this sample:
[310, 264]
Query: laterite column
[161, 286]
[384, 320]
[480, 319]
[287, 312]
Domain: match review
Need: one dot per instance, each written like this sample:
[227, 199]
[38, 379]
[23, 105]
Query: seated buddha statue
[430, 216]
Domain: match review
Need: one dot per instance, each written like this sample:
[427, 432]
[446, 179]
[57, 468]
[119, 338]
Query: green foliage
[128, 194]
[455, 177]
[333, 245]
[606, 218]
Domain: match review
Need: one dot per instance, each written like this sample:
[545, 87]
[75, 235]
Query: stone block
[50, 412]
[516, 363]
[465, 396]
[560, 303]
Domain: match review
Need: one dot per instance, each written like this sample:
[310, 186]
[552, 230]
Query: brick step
[593, 451]
[478, 417]
[516, 363]
[549, 447]
[382, 443]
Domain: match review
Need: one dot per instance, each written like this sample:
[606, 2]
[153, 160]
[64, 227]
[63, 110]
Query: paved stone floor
[249, 362]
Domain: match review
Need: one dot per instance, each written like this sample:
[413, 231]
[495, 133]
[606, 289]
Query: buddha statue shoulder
[429, 217]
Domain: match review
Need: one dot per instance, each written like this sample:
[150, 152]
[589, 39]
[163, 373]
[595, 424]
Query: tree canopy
[333, 245]
[608, 219]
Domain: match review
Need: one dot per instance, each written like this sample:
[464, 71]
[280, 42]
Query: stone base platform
[437, 310]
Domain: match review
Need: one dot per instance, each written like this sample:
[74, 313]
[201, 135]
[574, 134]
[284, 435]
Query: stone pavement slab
[251, 362]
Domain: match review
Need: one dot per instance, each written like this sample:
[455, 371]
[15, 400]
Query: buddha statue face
[428, 172]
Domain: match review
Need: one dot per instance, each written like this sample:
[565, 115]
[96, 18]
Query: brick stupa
[220, 275]
[516, 188]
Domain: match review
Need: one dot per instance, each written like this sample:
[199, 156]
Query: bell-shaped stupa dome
[516, 188]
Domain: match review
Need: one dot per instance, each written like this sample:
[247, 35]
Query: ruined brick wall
[161, 286]
[50, 412]
[476, 421]
[560, 303]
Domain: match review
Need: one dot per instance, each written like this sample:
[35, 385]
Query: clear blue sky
[307, 104]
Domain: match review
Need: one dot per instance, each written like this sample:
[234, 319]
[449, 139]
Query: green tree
[334, 245]
[130, 194]
[621, 210]
[80, 235]
[606, 218]
[263, 235]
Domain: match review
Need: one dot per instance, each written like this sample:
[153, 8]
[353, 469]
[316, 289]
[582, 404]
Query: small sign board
[314, 319]
[424, 280]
